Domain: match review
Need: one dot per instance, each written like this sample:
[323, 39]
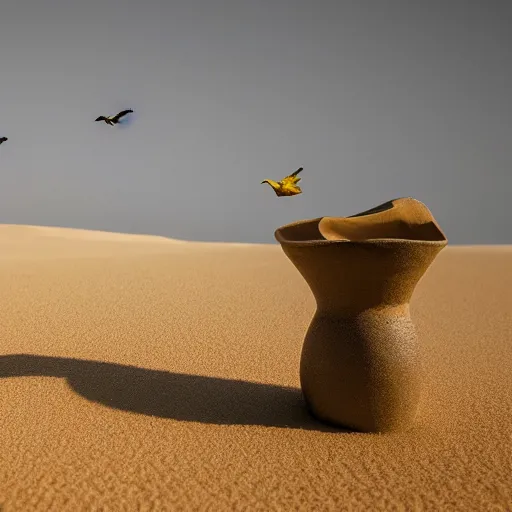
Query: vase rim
[368, 241]
[389, 205]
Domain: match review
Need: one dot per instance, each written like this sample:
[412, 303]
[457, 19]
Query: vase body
[360, 364]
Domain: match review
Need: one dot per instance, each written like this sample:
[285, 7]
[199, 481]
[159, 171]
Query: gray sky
[376, 100]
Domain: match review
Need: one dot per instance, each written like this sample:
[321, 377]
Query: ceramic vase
[360, 365]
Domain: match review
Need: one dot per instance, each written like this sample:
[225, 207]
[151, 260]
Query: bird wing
[101, 118]
[292, 178]
[121, 114]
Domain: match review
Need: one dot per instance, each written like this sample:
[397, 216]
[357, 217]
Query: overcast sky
[376, 100]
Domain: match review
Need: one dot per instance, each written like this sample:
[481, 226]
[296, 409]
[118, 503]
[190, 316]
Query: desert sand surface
[144, 373]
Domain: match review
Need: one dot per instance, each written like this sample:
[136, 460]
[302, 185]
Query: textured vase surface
[360, 364]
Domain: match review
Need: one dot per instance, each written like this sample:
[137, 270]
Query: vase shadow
[177, 396]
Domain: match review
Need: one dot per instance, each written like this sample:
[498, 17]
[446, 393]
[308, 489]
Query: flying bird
[3, 139]
[112, 120]
[287, 186]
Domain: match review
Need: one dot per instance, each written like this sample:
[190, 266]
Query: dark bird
[287, 186]
[112, 120]
[3, 139]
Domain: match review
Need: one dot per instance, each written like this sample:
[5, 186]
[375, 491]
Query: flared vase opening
[370, 260]
[404, 219]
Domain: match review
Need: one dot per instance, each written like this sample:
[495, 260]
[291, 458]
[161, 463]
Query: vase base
[371, 427]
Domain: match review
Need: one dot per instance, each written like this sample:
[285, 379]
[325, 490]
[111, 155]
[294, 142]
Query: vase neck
[351, 309]
[350, 278]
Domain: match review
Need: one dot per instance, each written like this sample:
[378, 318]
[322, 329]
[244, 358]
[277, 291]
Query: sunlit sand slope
[144, 373]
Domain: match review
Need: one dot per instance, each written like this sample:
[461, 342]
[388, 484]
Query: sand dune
[145, 373]
[10, 232]
[40, 242]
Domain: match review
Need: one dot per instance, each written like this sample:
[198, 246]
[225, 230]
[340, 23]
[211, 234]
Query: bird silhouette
[287, 186]
[112, 120]
[3, 139]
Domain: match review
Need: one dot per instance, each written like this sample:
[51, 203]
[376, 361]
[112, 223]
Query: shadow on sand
[172, 395]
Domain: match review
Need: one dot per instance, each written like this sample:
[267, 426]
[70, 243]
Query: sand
[143, 373]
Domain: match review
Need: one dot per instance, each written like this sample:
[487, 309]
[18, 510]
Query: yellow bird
[287, 186]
